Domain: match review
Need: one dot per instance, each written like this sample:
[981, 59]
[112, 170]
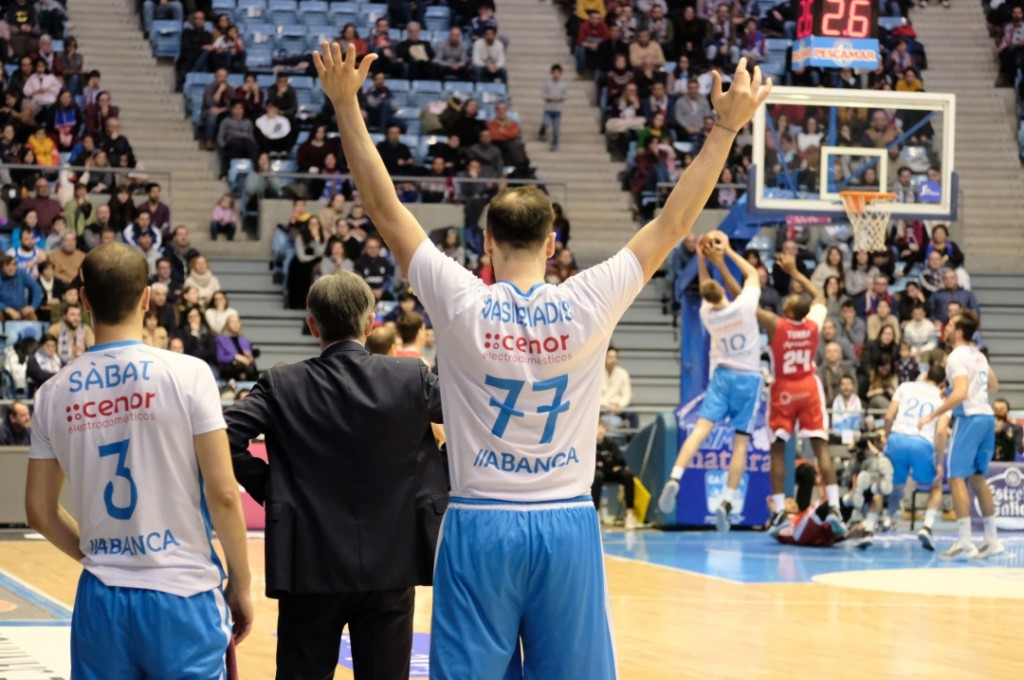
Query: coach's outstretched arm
[735, 108]
[342, 80]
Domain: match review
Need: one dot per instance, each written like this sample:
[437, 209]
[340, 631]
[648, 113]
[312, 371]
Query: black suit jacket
[356, 487]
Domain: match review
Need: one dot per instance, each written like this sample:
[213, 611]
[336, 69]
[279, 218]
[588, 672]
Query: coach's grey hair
[158, 287]
[340, 304]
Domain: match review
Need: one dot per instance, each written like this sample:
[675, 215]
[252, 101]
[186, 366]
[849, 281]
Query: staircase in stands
[152, 114]
[961, 61]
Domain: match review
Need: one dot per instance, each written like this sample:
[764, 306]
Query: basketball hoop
[869, 213]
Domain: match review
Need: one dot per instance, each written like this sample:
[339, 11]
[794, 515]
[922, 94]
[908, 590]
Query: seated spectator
[416, 54]
[311, 153]
[42, 204]
[829, 334]
[152, 255]
[503, 129]
[647, 76]
[884, 348]
[834, 295]
[274, 131]
[383, 340]
[43, 148]
[920, 333]
[66, 121]
[833, 369]
[236, 138]
[489, 58]
[202, 279]
[931, 278]
[882, 384]
[851, 327]
[97, 114]
[229, 50]
[722, 46]
[42, 88]
[1010, 48]
[847, 411]
[562, 267]
[198, 341]
[140, 226]
[1009, 444]
[752, 45]
[93, 233]
[235, 354]
[78, 212]
[196, 47]
[867, 303]
[283, 95]
[452, 56]
[176, 345]
[438, 185]
[380, 103]
[28, 254]
[466, 125]
[907, 367]
[610, 49]
[832, 266]
[350, 36]
[91, 91]
[334, 259]
[482, 22]
[52, 287]
[17, 427]
[951, 292]
[589, 37]
[375, 269]
[451, 246]
[67, 260]
[153, 334]
[122, 209]
[611, 468]
[412, 334]
[159, 212]
[910, 297]
[161, 9]
[224, 219]
[310, 243]
[450, 152]
[44, 363]
[72, 334]
[160, 304]
[770, 298]
[948, 250]
[487, 153]
[689, 111]
[626, 114]
[396, 156]
[616, 388]
[644, 48]
[882, 131]
[883, 316]
[475, 194]
[380, 44]
[217, 97]
[54, 61]
[218, 311]
[82, 150]
[251, 95]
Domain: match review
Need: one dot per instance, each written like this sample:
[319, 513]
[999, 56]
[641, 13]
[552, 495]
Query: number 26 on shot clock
[837, 19]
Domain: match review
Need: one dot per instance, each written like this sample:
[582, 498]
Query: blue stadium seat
[195, 84]
[373, 11]
[16, 330]
[251, 10]
[889, 23]
[9, 69]
[429, 87]
[165, 35]
[58, 46]
[290, 43]
[396, 34]
[302, 82]
[777, 44]
[376, 137]
[260, 33]
[313, 12]
[491, 93]
[282, 11]
[341, 13]
[399, 85]
[259, 57]
[235, 80]
[283, 165]
[223, 7]
[265, 80]
[460, 86]
[437, 18]
[240, 168]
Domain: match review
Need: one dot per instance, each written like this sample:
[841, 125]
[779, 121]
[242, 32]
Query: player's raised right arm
[735, 108]
[342, 80]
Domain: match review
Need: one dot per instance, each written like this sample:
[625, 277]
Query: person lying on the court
[809, 525]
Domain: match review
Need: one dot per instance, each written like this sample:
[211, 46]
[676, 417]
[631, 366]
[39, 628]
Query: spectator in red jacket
[588, 40]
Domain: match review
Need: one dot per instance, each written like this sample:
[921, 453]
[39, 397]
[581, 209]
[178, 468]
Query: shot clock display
[836, 34]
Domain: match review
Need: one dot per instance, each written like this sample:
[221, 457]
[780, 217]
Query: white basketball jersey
[735, 336]
[917, 400]
[521, 373]
[120, 421]
[969, 361]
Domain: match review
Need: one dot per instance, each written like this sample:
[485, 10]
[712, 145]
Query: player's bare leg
[777, 471]
[828, 475]
[737, 468]
[870, 520]
[931, 510]
[667, 501]
[991, 545]
[964, 548]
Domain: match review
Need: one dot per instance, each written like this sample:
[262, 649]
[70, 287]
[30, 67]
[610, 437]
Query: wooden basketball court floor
[700, 605]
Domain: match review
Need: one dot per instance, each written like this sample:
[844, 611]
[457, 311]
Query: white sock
[728, 495]
[677, 473]
[963, 526]
[778, 502]
[832, 491]
[929, 518]
[990, 528]
[870, 521]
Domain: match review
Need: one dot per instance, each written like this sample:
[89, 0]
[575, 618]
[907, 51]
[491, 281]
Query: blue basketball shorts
[532, 572]
[971, 446]
[909, 453]
[734, 396]
[129, 633]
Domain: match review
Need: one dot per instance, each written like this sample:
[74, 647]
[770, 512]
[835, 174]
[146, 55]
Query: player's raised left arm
[43, 508]
[735, 108]
[788, 264]
[342, 80]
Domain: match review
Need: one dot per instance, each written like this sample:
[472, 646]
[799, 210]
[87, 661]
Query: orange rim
[857, 201]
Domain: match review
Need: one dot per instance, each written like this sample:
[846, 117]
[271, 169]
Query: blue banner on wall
[1007, 483]
[701, 488]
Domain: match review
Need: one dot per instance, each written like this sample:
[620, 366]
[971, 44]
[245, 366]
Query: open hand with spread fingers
[340, 77]
[736, 107]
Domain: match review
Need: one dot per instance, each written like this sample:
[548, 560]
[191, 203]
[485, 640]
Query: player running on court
[914, 450]
[734, 391]
[139, 434]
[972, 443]
[520, 365]
[796, 396]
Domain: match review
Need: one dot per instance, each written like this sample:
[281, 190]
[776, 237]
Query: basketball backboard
[811, 143]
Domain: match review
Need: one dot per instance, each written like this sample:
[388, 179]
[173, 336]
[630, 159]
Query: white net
[869, 213]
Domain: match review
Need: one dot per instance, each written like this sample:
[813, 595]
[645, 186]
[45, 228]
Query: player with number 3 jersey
[734, 390]
[796, 396]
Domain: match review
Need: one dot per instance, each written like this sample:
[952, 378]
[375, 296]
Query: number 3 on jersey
[507, 408]
[796, 360]
[119, 449]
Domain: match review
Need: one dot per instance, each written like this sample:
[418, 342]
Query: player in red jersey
[809, 526]
[796, 395]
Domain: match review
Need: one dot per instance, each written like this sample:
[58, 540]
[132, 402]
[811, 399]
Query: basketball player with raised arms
[972, 443]
[734, 390]
[914, 450]
[520, 364]
[796, 396]
[139, 435]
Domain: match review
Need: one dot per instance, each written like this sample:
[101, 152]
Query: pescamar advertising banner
[701, 488]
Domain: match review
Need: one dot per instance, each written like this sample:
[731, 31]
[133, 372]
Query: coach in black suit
[354, 491]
